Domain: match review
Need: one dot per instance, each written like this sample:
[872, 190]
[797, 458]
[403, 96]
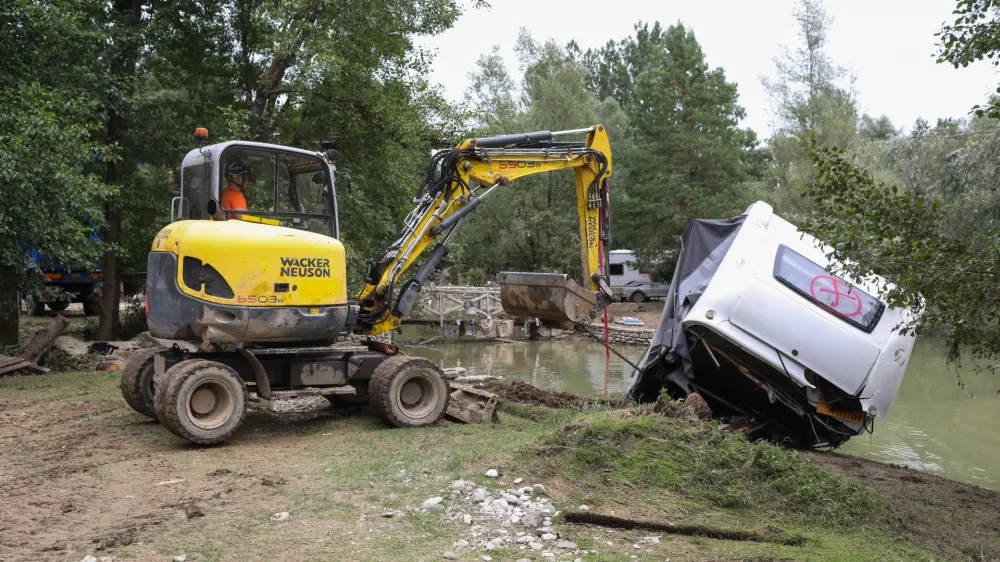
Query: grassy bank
[81, 474]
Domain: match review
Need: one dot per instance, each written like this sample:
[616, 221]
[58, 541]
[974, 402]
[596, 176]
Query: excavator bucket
[554, 298]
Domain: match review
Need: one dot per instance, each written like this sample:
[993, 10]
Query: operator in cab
[233, 198]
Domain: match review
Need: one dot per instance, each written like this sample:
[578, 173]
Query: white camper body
[749, 304]
[774, 334]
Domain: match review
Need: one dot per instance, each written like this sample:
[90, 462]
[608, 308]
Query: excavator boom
[458, 181]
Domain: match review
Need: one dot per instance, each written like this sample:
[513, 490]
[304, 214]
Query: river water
[936, 424]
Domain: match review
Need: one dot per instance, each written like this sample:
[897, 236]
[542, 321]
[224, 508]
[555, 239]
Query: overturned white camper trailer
[757, 325]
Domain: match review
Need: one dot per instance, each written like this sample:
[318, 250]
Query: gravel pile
[503, 517]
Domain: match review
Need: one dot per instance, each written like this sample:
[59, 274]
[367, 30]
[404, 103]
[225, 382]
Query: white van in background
[629, 281]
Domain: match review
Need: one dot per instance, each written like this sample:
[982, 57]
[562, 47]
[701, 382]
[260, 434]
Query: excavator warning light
[201, 133]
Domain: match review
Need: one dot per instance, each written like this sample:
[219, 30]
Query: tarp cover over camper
[758, 325]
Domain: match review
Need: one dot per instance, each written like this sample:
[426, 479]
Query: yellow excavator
[260, 292]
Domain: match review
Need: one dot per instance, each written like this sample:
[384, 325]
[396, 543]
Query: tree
[974, 36]
[877, 129]
[876, 229]
[955, 161]
[688, 158]
[530, 225]
[613, 69]
[809, 103]
[49, 159]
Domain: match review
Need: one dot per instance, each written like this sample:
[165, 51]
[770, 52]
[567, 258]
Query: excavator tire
[201, 401]
[408, 391]
[137, 384]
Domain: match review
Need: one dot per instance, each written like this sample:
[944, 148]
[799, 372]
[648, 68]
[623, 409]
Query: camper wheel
[639, 296]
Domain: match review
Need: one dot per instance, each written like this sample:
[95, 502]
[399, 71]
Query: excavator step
[316, 350]
[338, 390]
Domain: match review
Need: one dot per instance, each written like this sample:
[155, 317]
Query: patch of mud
[78, 478]
[524, 393]
[953, 519]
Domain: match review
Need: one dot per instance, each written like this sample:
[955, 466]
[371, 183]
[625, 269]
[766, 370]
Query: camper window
[830, 292]
[617, 268]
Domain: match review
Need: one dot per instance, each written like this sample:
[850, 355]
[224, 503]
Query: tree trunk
[10, 311]
[123, 65]
[44, 338]
[109, 318]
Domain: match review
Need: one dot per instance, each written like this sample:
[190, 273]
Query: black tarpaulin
[704, 244]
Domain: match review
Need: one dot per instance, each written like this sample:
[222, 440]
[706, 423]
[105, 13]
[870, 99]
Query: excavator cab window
[293, 190]
[301, 188]
[258, 188]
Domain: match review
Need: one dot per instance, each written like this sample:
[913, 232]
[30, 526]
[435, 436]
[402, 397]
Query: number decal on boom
[511, 164]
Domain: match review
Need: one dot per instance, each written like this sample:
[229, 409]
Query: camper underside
[747, 393]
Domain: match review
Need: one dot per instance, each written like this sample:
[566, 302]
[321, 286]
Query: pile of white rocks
[519, 516]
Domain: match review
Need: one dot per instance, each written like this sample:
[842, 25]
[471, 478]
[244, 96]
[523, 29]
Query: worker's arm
[458, 182]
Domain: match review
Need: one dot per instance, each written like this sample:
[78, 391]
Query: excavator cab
[282, 186]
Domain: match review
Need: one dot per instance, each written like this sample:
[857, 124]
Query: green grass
[642, 454]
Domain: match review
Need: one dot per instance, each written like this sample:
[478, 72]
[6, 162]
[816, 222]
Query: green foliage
[954, 161]
[974, 36]
[50, 151]
[639, 455]
[133, 319]
[687, 160]
[612, 70]
[874, 228]
[877, 129]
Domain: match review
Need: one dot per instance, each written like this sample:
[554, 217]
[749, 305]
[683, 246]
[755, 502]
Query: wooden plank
[7, 360]
[11, 364]
[15, 367]
[37, 369]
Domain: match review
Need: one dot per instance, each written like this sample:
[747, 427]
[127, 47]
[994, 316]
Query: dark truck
[64, 285]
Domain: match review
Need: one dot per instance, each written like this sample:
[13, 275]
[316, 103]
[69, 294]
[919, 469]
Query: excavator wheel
[408, 391]
[201, 401]
[137, 384]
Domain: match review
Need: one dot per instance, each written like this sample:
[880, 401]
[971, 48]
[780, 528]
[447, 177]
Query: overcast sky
[888, 44]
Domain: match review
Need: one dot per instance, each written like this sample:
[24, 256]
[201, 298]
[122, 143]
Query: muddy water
[564, 365]
[935, 424]
[944, 420]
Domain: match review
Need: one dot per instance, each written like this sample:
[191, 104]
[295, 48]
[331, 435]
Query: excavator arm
[458, 181]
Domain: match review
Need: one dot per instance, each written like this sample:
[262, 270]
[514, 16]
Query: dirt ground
[648, 312]
[953, 518]
[82, 474]
[524, 393]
